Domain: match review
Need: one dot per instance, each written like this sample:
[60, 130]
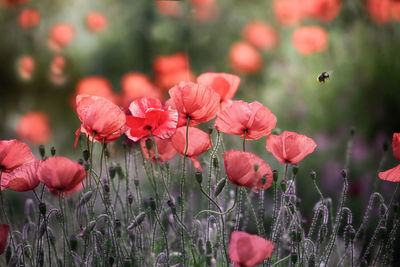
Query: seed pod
[152, 203]
[42, 208]
[85, 198]
[120, 172]
[201, 246]
[199, 176]
[112, 171]
[118, 227]
[295, 169]
[136, 181]
[130, 198]
[275, 175]
[172, 206]
[283, 186]
[106, 188]
[73, 241]
[80, 162]
[220, 186]
[149, 144]
[86, 154]
[42, 151]
[137, 221]
[208, 247]
[53, 151]
[215, 163]
[313, 175]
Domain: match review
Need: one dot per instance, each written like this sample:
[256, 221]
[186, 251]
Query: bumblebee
[323, 76]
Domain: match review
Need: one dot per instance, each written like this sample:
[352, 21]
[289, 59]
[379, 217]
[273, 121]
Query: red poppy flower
[171, 9]
[23, 178]
[60, 36]
[239, 167]
[14, 153]
[26, 67]
[170, 70]
[322, 10]
[395, 10]
[290, 147]
[149, 116]
[12, 3]
[4, 229]
[288, 12]
[165, 149]
[136, 85]
[261, 35]
[225, 84]
[61, 175]
[379, 10]
[396, 145]
[29, 18]
[245, 59]
[96, 21]
[34, 128]
[197, 102]
[204, 10]
[392, 175]
[96, 86]
[100, 118]
[248, 250]
[198, 143]
[240, 117]
[310, 39]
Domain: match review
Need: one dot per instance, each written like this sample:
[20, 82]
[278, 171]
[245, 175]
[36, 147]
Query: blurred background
[124, 49]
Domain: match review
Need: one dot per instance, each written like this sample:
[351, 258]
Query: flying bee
[323, 76]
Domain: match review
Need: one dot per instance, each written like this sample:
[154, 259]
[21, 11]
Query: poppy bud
[283, 186]
[86, 154]
[53, 151]
[149, 144]
[201, 246]
[130, 198]
[199, 176]
[263, 180]
[208, 247]
[137, 221]
[344, 173]
[275, 175]
[85, 198]
[118, 227]
[152, 203]
[42, 151]
[111, 172]
[293, 257]
[106, 188]
[210, 130]
[313, 175]
[255, 166]
[295, 169]
[42, 208]
[220, 186]
[136, 181]
[87, 166]
[89, 227]
[119, 172]
[172, 206]
[73, 241]
[215, 162]
[80, 161]
[127, 262]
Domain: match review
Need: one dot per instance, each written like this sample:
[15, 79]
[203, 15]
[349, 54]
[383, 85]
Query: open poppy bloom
[225, 84]
[249, 250]
[310, 39]
[261, 35]
[165, 149]
[244, 58]
[322, 10]
[395, 10]
[290, 147]
[393, 175]
[198, 143]
[14, 153]
[61, 175]
[288, 12]
[242, 118]
[239, 167]
[34, 128]
[4, 229]
[379, 10]
[29, 18]
[102, 121]
[60, 36]
[94, 85]
[96, 21]
[23, 178]
[26, 67]
[150, 117]
[197, 102]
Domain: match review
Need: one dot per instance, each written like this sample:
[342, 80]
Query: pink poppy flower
[34, 128]
[26, 67]
[149, 116]
[261, 35]
[14, 153]
[290, 147]
[393, 175]
[379, 10]
[23, 178]
[60, 36]
[245, 59]
[310, 39]
[96, 22]
[165, 149]
[136, 85]
[322, 10]
[288, 12]
[29, 18]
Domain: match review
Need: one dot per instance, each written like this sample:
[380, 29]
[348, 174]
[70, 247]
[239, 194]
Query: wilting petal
[14, 153]
[34, 127]
[61, 174]
[23, 178]
[310, 39]
[240, 117]
[239, 167]
[261, 35]
[225, 84]
[392, 175]
[245, 59]
[199, 141]
[248, 250]
[396, 145]
[4, 229]
[165, 149]
[290, 147]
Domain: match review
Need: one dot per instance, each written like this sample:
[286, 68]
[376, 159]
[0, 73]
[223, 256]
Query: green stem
[254, 213]
[244, 140]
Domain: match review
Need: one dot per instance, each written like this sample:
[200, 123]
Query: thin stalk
[254, 213]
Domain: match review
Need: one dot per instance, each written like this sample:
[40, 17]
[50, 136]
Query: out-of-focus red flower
[170, 70]
[165, 149]
[288, 12]
[61, 175]
[60, 36]
[395, 10]
[248, 250]
[12, 3]
[171, 9]
[241, 117]
[225, 84]
[245, 59]
[14, 153]
[322, 10]
[261, 35]
[23, 178]
[96, 86]
[196, 102]
[136, 85]
[4, 229]
[29, 18]
[379, 10]
[310, 39]
[149, 116]
[96, 21]
[204, 10]
[290, 147]
[26, 67]
[34, 128]
[396, 145]
[57, 65]
[198, 143]
[239, 167]
[101, 119]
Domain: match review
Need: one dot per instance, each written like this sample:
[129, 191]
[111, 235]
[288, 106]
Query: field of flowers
[199, 133]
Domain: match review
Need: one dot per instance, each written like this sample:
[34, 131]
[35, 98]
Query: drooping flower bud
[220, 187]
[199, 176]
